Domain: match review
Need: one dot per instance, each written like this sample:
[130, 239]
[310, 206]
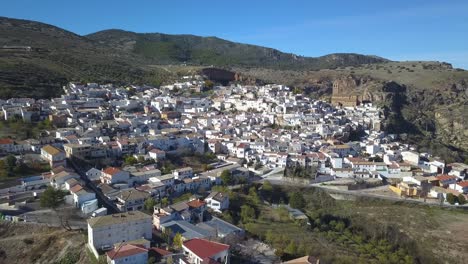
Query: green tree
[209, 84]
[3, 169]
[130, 160]
[247, 213]
[149, 204]
[141, 159]
[10, 162]
[166, 235]
[291, 249]
[226, 178]
[52, 198]
[451, 199]
[297, 201]
[267, 190]
[270, 236]
[164, 202]
[151, 260]
[297, 90]
[177, 241]
[254, 195]
[461, 199]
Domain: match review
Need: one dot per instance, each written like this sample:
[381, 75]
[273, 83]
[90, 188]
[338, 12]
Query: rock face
[219, 75]
[351, 91]
[439, 114]
[450, 125]
[341, 91]
[225, 76]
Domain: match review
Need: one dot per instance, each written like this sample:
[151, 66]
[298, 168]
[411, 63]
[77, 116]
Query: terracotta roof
[6, 141]
[59, 169]
[111, 170]
[204, 248]
[125, 251]
[196, 203]
[76, 188]
[242, 145]
[445, 177]
[463, 183]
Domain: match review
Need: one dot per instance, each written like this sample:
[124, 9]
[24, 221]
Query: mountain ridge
[58, 55]
[213, 50]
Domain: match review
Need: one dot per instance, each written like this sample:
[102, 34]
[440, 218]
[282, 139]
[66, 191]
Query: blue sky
[398, 30]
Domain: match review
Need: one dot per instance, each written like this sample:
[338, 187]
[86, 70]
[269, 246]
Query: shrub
[28, 241]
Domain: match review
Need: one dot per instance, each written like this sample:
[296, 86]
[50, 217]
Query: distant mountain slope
[164, 48]
[36, 59]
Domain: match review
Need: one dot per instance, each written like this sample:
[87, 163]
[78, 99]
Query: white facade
[105, 231]
[410, 157]
[217, 202]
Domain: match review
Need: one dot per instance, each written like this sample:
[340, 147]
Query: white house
[157, 154]
[241, 150]
[54, 156]
[114, 175]
[182, 173]
[458, 169]
[58, 180]
[372, 149]
[460, 186]
[105, 231]
[342, 172]
[197, 251]
[411, 157]
[127, 254]
[217, 201]
[81, 195]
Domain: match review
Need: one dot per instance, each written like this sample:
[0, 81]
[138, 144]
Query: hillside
[164, 49]
[31, 243]
[36, 59]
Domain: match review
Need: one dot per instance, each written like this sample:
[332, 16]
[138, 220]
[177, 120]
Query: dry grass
[432, 228]
[29, 243]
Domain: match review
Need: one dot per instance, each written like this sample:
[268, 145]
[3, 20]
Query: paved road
[111, 207]
[276, 173]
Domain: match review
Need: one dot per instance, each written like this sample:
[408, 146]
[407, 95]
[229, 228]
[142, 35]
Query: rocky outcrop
[351, 91]
[450, 125]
